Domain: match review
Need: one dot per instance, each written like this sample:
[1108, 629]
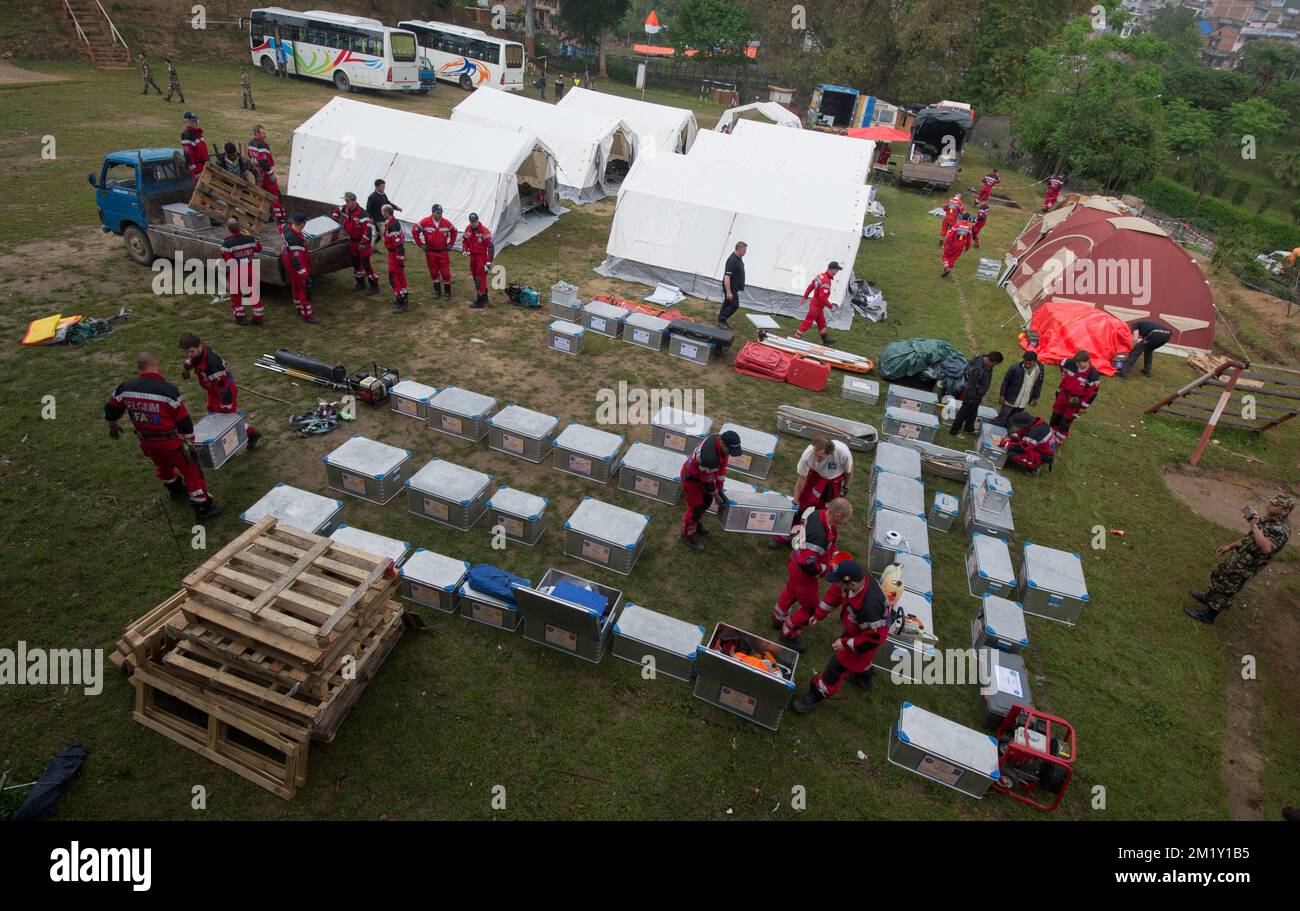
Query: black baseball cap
[834, 265]
[299, 217]
[731, 440]
[848, 571]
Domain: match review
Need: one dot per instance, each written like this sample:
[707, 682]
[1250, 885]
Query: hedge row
[1216, 216]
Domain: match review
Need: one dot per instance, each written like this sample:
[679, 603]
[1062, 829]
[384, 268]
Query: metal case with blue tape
[999, 624]
[480, 607]
[649, 638]
[432, 580]
[1051, 584]
[605, 535]
[742, 689]
[954, 755]
[944, 511]
[582, 630]
[521, 516]
[448, 493]
[366, 469]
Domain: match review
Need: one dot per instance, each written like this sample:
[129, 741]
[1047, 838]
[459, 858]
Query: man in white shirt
[824, 472]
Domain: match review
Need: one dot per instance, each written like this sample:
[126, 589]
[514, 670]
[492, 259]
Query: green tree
[1286, 167]
[1295, 212]
[999, 56]
[1176, 26]
[591, 20]
[1266, 60]
[720, 28]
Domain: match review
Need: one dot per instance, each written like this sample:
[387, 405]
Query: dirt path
[16, 75]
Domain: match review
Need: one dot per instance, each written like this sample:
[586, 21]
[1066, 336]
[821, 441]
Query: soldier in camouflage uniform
[1245, 557]
[146, 73]
[247, 88]
[173, 82]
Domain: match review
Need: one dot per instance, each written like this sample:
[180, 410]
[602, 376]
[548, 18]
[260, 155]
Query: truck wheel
[466, 83]
[268, 67]
[138, 246]
[341, 81]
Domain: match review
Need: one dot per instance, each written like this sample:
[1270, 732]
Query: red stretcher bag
[757, 359]
[809, 374]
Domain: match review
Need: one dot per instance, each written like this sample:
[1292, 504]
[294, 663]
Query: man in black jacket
[1021, 387]
[733, 282]
[375, 203]
[979, 376]
[1148, 335]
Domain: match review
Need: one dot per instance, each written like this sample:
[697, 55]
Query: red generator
[1037, 753]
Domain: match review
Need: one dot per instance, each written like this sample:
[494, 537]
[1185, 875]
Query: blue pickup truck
[133, 185]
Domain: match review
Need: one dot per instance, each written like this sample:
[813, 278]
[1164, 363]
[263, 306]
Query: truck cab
[132, 186]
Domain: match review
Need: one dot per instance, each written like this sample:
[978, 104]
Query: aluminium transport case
[645, 331]
[741, 688]
[461, 413]
[893, 491]
[913, 536]
[1007, 685]
[904, 654]
[565, 336]
[604, 319]
[896, 459]
[910, 425]
[993, 493]
[678, 430]
[649, 471]
[605, 535]
[801, 422]
[412, 399]
[219, 436]
[1051, 584]
[765, 512]
[759, 449]
[587, 452]
[520, 432]
[448, 493]
[564, 302]
[371, 543]
[480, 607]
[909, 399]
[988, 446]
[431, 580]
[857, 389]
[944, 511]
[956, 756]
[732, 487]
[297, 508]
[999, 624]
[521, 516]
[669, 644]
[988, 567]
[690, 349]
[918, 574]
[570, 614]
[366, 469]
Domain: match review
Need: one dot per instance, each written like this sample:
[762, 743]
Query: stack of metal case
[564, 302]
[978, 507]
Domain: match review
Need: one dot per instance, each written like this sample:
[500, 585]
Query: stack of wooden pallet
[222, 195]
[267, 647]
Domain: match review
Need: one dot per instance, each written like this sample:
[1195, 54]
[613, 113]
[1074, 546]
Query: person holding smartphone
[1244, 557]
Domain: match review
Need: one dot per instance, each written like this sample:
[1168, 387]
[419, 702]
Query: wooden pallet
[146, 638]
[222, 195]
[297, 596]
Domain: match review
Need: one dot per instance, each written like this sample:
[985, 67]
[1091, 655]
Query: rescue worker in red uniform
[260, 154]
[356, 225]
[395, 244]
[296, 260]
[194, 145]
[981, 219]
[1031, 442]
[210, 369]
[818, 295]
[478, 246]
[955, 244]
[436, 236]
[825, 469]
[702, 476]
[243, 282]
[163, 425]
[1053, 191]
[882, 154]
[1080, 383]
[813, 547]
[866, 613]
[953, 210]
[990, 181]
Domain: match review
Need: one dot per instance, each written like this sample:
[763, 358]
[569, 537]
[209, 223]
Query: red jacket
[260, 154]
[991, 180]
[196, 149]
[213, 375]
[294, 253]
[356, 225]
[152, 404]
[865, 616]
[958, 239]
[1076, 383]
[707, 465]
[820, 289]
[394, 239]
[435, 236]
[819, 540]
[478, 241]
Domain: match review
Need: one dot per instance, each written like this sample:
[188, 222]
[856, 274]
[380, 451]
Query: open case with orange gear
[746, 674]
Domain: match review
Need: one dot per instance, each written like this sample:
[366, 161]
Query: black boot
[693, 545]
[254, 437]
[796, 643]
[446, 290]
[479, 302]
[1205, 616]
[702, 530]
[374, 286]
[808, 702]
[361, 283]
[863, 680]
[437, 291]
[208, 509]
[402, 305]
[176, 487]
[827, 340]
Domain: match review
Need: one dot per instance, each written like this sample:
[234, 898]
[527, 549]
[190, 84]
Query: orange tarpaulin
[1065, 327]
[879, 134]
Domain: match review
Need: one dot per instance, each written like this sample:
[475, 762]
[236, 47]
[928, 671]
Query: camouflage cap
[1284, 501]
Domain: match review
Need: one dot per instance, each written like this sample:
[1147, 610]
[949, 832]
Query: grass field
[1157, 700]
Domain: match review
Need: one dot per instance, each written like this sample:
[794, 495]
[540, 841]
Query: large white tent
[657, 126]
[680, 216]
[811, 155]
[508, 178]
[774, 112]
[584, 143]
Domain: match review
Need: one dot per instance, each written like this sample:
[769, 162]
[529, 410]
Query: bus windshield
[403, 46]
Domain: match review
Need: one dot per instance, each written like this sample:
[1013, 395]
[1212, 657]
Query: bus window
[514, 54]
[403, 46]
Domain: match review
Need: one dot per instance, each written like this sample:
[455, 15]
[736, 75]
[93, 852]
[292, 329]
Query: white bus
[469, 57]
[350, 51]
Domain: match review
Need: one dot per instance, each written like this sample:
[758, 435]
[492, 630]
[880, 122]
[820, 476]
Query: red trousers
[170, 462]
[698, 499]
[237, 279]
[800, 588]
[478, 269]
[816, 314]
[439, 265]
[298, 289]
[1050, 199]
[1027, 458]
[950, 256]
[985, 193]
[828, 682]
[396, 274]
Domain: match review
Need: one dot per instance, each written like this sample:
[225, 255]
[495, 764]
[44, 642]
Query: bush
[1221, 182]
[1240, 192]
[1295, 211]
[1266, 200]
[1216, 217]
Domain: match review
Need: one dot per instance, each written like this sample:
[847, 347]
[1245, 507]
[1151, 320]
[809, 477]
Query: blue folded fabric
[592, 601]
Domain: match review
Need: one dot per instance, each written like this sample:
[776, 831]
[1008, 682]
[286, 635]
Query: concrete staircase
[94, 31]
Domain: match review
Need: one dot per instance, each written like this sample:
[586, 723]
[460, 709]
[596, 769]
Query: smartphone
[1248, 513]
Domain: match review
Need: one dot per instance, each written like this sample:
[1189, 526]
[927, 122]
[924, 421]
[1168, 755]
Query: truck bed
[205, 243]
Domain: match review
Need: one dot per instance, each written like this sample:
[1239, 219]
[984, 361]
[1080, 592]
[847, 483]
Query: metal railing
[113, 28]
[75, 24]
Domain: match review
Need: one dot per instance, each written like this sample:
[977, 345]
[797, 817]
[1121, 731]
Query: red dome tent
[1126, 266]
[1065, 326]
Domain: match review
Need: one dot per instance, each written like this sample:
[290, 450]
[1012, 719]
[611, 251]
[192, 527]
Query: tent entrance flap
[619, 160]
[536, 180]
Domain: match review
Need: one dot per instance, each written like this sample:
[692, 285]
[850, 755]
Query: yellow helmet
[891, 583]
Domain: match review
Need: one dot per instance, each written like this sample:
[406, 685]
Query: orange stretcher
[642, 307]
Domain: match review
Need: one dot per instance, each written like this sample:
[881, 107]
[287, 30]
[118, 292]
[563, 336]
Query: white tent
[655, 125]
[774, 112]
[584, 144]
[810, 155]
[679, 217]
[507, 178]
